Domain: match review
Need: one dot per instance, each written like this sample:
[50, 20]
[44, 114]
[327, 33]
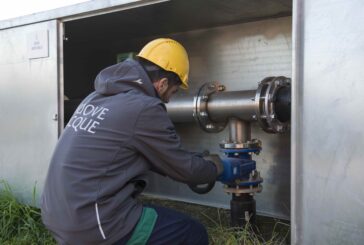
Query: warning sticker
[38, 46]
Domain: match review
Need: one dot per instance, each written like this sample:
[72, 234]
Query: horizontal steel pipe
[220, 107]
[180, 109]
[211, 107]
[238, 104]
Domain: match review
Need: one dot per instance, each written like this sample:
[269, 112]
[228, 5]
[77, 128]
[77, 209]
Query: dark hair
[156, 73]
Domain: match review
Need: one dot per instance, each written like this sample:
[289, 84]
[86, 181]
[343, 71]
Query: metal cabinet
[28, 104]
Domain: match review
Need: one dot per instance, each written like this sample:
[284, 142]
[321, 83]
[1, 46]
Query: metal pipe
[221, 106]
[212, 107]
[239, 131]
[242, 210]
[180, 109]
[238, 104]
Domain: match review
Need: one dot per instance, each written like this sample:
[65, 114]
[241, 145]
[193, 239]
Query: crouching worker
[116, 135]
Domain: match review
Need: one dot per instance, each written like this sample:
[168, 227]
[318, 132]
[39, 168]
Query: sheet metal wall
[239, 56]
[327, 176]
[28, 103]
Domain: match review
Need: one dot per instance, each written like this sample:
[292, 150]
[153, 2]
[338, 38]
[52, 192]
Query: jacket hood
[123, 77]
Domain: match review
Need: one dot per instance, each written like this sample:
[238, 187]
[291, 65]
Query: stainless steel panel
[202, 13]
[238, 56]
[328, 134]
[171, 18]
[28, 107]
[77, 11]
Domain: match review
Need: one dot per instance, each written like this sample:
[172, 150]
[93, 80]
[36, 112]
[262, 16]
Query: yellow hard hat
[169, 55]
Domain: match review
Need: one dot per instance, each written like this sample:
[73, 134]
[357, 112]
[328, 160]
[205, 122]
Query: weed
[20, 223]
[217, 221]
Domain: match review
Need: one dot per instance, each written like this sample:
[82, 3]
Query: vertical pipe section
[239, 131]
[242, 206]
[242, 210]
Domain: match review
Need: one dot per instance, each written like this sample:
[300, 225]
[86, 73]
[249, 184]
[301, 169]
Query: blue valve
[239, 168]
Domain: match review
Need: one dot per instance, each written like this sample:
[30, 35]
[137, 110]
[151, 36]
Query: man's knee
[197, 233]
[173, 227]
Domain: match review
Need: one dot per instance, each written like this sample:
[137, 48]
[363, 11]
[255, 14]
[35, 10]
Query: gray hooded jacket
[116, 135]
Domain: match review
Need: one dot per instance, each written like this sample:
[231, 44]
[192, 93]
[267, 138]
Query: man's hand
[217, 161]
[214, 158]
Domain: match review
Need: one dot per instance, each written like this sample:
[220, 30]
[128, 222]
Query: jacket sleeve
[155, 137]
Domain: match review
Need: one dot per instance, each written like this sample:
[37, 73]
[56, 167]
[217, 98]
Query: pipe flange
[244, 190]
[264, 99]
[251, 144]
[200, 110]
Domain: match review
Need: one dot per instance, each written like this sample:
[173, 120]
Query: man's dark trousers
[175, 228]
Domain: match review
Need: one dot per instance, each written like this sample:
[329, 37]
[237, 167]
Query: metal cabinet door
[28, 104]
[327, 122]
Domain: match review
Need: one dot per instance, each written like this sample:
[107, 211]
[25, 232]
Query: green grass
[21, 224]
[267, 231]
